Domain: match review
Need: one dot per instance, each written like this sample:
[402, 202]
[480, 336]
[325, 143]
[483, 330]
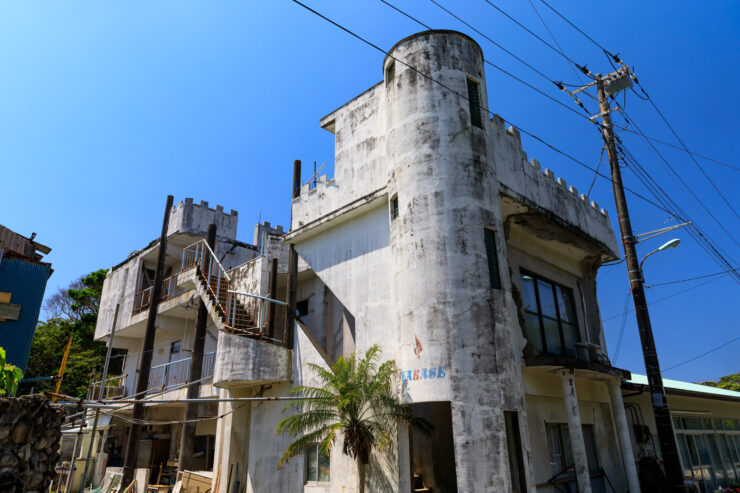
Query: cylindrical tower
[446, 244]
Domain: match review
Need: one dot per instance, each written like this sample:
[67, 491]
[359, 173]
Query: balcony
[114, 387]
[177, 373]
[170, 289]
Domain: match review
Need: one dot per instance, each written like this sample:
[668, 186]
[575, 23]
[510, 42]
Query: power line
[574, 26]
[655, 107]
[679, 178]
[488, 111]
[559, 52]
[621, 329]
[709, 179]
[691, 278]
[497, 67]
[668, 297]
[727, 165]
[727, 343]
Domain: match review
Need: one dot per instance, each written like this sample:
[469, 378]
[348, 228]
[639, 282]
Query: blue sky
[107, 107]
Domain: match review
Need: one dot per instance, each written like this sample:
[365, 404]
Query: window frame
[315, 447]
[555, 285]
[393, 207]
[469, 83]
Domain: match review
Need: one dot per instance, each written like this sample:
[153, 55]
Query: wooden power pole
[132, 443]
[187, 440]
[669, 451]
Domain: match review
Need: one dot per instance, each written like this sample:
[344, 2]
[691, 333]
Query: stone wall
[30, 433]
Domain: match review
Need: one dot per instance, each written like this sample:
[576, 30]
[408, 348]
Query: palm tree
[355, 398]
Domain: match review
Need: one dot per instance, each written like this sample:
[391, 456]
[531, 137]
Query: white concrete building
[470, 266]
[437, 239]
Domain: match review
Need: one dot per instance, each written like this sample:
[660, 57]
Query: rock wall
[30, 433]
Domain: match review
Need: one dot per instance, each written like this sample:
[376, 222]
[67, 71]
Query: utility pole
[669, 451]
[132, 443]
[187, 439]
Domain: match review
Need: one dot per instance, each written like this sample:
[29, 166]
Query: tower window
[474, 103]
[394, 207]
[493, 271]
[390, 72]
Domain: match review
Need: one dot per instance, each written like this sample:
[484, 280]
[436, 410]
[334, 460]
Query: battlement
[189, 217]
[546, 175]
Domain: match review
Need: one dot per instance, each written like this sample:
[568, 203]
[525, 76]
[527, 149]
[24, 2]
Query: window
[561, 458]
[174, 351]
[474, 103]
[514, 448]
[493, 273]
[317, 464]
[301, 308]
[390, 72]
[550, 316]
[394, 207]
[709, 449]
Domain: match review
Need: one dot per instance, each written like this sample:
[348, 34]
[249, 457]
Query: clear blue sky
[107, 107]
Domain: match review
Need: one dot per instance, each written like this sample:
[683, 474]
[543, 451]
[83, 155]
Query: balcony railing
[170, 289]
[114, 387]
[178, 372]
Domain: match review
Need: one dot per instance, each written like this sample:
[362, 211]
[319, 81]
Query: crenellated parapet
[525, 180]
[189, 217]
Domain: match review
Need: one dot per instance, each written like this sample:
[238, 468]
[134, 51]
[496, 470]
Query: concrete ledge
[242, 361]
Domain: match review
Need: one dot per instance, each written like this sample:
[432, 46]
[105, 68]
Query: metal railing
[256, 316]
[113, 387]
[178, 372]
[242, 313]
[170, 289]
[213, 273]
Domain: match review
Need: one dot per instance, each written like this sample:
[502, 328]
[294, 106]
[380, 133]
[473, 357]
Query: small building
[706, 422]
[23, 278]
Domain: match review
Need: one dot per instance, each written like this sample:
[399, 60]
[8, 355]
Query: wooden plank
[10, 311]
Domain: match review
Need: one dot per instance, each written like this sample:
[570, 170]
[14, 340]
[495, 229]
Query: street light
[665, 246]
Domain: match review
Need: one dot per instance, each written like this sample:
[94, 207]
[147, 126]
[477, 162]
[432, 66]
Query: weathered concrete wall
[245, 361]
[30, 434]
[188, 217]
[545, 404]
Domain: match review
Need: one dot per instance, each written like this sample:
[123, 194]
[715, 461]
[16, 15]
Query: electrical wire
[573, 25]
[673, 131]
[488, 111]
[667, 297]
[678, 177]
[694, 231]
[716, 348]
[559, 52]
[497, 67]
[621, 329]
[690, 278]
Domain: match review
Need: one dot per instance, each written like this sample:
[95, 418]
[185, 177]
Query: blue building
[23, 278]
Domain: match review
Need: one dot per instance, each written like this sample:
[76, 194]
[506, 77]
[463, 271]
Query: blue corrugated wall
[26, 281]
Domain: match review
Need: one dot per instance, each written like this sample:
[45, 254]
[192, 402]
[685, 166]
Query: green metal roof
[686, 387]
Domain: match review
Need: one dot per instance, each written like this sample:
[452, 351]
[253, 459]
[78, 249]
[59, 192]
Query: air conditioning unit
[587, 351]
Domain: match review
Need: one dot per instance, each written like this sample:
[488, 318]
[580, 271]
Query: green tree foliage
[10, 375]
[73, 311]
[355, 400]
[728, 382]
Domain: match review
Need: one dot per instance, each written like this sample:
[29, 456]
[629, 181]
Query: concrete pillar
[232, 440]
[623, 435]
[576, 432]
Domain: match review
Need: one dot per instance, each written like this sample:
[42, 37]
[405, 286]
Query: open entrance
[433, 455]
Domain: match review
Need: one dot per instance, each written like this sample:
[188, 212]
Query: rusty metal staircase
[236, 312]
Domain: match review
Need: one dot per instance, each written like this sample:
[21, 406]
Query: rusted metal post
[292, 289]
[132, 444]
[187, 439]
[273, 295]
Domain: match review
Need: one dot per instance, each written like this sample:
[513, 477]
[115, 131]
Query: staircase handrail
[226, 275]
